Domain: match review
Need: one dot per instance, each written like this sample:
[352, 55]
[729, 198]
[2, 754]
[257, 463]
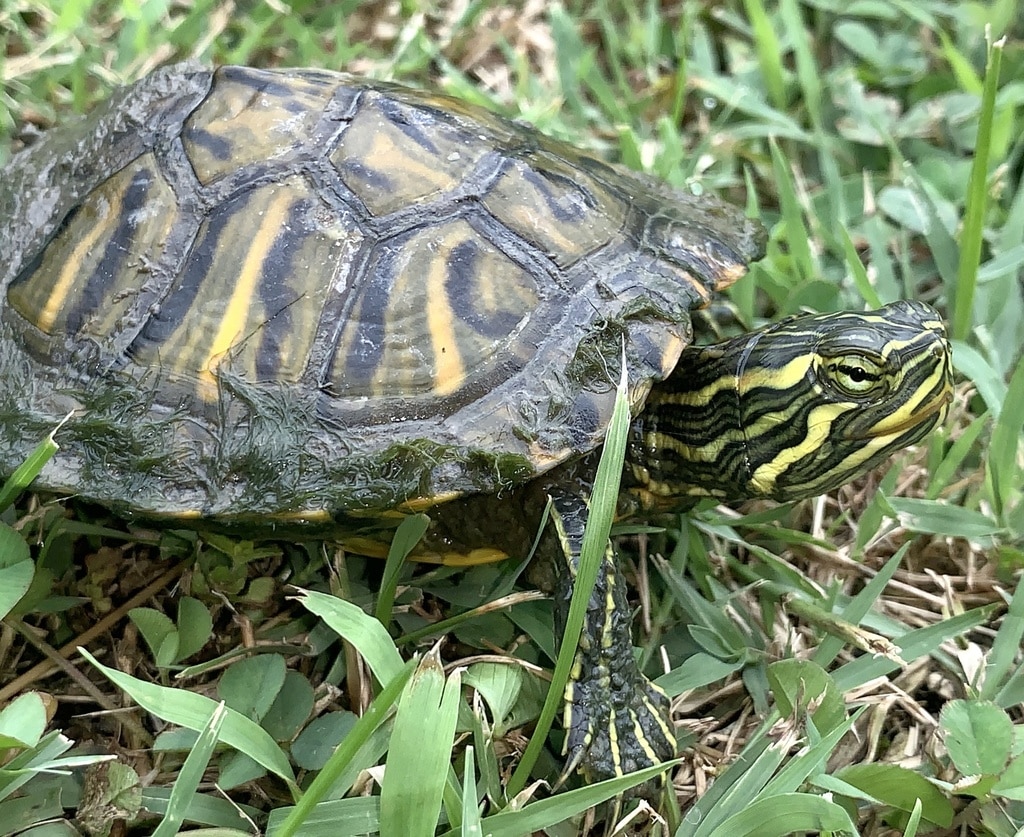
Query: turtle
[270, 297]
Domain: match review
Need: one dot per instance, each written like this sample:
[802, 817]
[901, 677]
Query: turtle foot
[616, 724]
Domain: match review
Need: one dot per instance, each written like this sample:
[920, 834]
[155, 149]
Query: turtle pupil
[857, 374]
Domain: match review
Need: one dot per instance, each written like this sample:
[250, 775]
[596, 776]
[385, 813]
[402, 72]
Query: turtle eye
[857, 375]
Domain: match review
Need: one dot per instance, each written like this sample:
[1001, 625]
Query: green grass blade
[874, 230]
[191, 774]
[743, 781]
[785, 814]
[471, 825]
[407, 535]
[556, 809]
[914, 820]
[859, 606]
[1003, 456]
[1002, 659]
[193, 711]
[858, 271]
[938, 518]
[966, 445]
[977, 200]
[25, 473]
[204, 810]
[807, 72]
[366, 634]
[375, 715]
[797, 236]
[603, 503]
[605, 499]
[912, 644]
[811, 759]
[989, 382]
[335, 818]
[420, 751]
[769, 52]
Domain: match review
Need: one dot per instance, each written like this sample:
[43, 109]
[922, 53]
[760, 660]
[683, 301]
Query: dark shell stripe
[391, 163]
[217, 313]
[480, 307]
[253, 118]
[398, 268]
[97, 290]
[291, 306]
[404, 335]
[170, 316]
[420, 127]
[104, 240]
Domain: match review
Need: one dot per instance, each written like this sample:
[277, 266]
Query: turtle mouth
[921, 418]
[934, 386]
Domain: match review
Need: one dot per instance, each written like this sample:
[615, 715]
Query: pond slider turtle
[263, 296]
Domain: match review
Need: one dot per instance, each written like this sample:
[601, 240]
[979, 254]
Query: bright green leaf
[159, 633]
[22, 722]
[978, 735]
[195, 626]
[192, 710]
[787, 814]
[420, 751]
[901, 788]
[803, 683]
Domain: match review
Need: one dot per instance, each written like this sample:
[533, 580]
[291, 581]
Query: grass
[849, 665]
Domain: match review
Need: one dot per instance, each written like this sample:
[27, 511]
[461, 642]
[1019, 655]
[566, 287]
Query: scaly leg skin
[616, 720]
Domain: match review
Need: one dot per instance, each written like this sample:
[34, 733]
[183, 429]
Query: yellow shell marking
[449, 368]
[387, 155]
[422, 503]
[452, 558]
[483, 555]
[72, 267]
[237, 310]
[305, 516]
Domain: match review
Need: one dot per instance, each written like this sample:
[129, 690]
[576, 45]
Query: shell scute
[255, 116]
[562, 209]
[105, 239]
[440, 308]
[252, 289]
[393, 156]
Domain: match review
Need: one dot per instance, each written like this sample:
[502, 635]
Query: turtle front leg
[616, 720]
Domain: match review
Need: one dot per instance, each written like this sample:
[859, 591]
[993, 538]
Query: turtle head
[798, 408]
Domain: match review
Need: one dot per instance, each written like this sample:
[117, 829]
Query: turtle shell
[295, 292]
